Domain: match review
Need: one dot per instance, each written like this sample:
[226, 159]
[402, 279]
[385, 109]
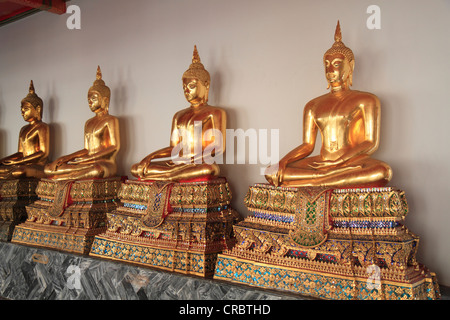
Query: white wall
[265, 59]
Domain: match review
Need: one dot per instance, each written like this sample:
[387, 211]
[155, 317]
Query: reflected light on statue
[349, 123]
[196, 81]
[101, 142]
[34, 143]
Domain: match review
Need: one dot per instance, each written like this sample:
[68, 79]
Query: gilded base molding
[15, 195]
[179, 227]
[354, 247]
[68, 215]
[325, 284]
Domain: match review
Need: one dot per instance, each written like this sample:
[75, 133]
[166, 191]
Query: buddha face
[29, 112]
[95, 101]
[195, 91]
[337, 69]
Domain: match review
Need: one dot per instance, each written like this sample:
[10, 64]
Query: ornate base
[68, 215]
[179, 227]
[15, 195]
[332, 244]
[326, 284]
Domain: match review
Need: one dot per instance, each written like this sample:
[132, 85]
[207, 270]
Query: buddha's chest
[333, 116]
[29, 139]
[194, 122]
[96, 132]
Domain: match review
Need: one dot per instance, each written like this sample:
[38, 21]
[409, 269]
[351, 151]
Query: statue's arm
[11, 159]
[161, 153]
[220, 127]
[114, 144]
[71, 157]
[165, 152]
[371, 117]
[309, 137]
[306, 148]
[43, 133]
[43, 149]
[216, 136]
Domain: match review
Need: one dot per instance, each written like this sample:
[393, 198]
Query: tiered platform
[68, 214]
[15, 195]
[179, 227]
[331, 244]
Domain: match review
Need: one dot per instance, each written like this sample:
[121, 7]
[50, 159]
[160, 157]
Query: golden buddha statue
[349, 123]
[34, 138]
[101, 142]
[194, 165]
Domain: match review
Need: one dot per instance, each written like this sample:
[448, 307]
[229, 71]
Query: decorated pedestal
[15, 195]
[332, 244]
[179, 227]
[68, 214]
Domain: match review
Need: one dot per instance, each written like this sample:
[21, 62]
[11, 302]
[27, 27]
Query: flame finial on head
[196, 69]
[337, 33]
[31, 88]
[32, 97]
[195, 56]
[99, 73]
[99, 85]
[98, 77]
[339, 47]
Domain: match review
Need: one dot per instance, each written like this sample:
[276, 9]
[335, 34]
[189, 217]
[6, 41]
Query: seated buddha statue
[101, 142]
[33, 148]
[189, 129]
[349, 124]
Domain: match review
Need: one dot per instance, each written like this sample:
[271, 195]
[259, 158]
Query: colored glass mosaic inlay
[274, 217]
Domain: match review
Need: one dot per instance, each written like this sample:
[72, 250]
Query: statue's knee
[134, 169]
[388, 173]
[384, 171]
[270, 173]
[215, 170]
[48, 170]
[99, 171]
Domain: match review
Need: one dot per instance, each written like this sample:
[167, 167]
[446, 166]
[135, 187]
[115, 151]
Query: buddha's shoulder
[104, 120]
[316, 101]
[42, 126]
[363, 95]
[207, 110]
[38, 126]
[354, 95]
[216, 110]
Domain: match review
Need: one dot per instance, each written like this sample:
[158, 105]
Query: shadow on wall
[239, 175]
[56, 133]
[125, 124]
[2, 132]
[119, 106]
[2, 143]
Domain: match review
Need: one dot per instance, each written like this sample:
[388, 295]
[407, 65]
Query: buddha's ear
[105, 100]
[350, 76]
[105, 103]
[352, 65]
[39, 111]
[206, 84]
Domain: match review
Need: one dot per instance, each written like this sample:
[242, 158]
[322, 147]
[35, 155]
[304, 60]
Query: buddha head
[99, 94]
[339, 62]
[31, 106]
[196, 81]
